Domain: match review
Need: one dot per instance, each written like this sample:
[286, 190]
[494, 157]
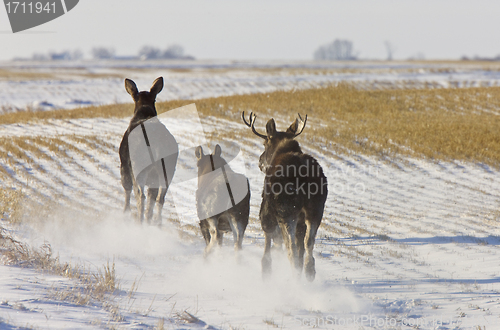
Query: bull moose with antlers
[294, 195]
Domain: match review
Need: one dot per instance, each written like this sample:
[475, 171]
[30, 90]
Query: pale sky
[266, 29]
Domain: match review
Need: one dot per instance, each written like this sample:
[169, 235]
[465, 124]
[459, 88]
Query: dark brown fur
[212, 192]
[145, 111]
[293, 198]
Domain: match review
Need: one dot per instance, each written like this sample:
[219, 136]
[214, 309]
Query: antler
[301, 122]
[251, 124]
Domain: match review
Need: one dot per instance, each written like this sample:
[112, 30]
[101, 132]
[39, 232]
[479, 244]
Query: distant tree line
[108, 53]
[57, 56]
[338, 50]
[480, 58]
[171, 52]
[145, 53]
[343, 50]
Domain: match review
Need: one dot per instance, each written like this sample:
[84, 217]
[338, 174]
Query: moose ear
[271, 128]
[131, 88]
[297, 126]
[198, 152]
[157, 86]
[217, 151]
[293, 128]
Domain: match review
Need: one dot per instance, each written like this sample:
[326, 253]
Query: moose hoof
[310, 275]
[310, 270]
[266, 267]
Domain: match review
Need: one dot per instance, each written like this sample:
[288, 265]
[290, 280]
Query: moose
[145, 139]
[222, 199]
[293, 197]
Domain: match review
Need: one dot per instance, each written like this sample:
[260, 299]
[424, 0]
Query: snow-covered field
[403, 245]
[74, 84]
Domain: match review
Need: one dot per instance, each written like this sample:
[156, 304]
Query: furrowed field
[409, 239]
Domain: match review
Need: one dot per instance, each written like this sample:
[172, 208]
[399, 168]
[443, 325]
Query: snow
[77, 84]
[403, 244]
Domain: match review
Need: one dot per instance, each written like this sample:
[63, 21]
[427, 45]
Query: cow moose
[222, 199]
[146, 138]
[293, 197]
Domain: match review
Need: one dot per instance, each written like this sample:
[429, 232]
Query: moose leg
[271, 229]
[237, 230]
[266, 259]
[310, 269]
[205, 230]
[159, 204]
[127, 200]
[289, 230]
[299, 240]
[152, 193]
[140, 198]
[241, 233]
[126, 178]
[220, 236]
[277, 238]
[213, 225]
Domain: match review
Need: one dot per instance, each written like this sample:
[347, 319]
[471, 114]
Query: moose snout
[262, 163]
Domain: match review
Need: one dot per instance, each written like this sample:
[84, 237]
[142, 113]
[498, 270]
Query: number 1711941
[17, 7]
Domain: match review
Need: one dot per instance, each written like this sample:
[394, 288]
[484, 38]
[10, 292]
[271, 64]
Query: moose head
[144, 99]
[275, 139]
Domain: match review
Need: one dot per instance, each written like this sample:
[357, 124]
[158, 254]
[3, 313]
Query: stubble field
[409, 237]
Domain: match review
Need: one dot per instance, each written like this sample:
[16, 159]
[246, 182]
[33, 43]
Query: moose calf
[222, 199]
